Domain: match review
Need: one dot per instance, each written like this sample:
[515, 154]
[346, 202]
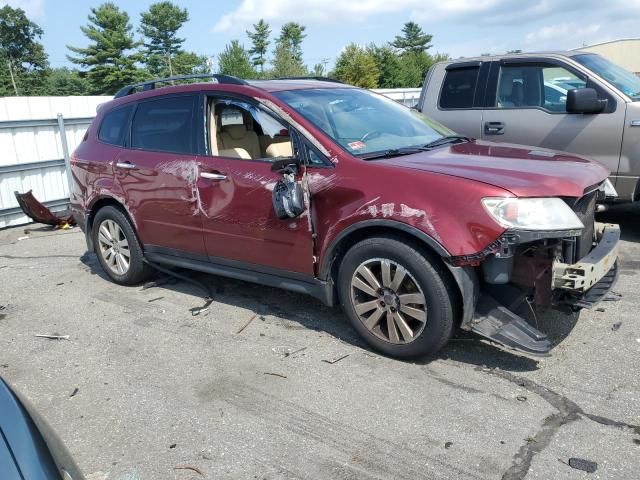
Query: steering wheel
[370, 134]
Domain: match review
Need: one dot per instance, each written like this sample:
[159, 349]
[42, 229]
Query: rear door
[526, 104]
[157, 172]
[454, 96]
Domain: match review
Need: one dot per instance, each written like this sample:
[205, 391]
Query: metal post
[65, 152]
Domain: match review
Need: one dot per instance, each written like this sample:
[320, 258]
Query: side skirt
[291, 281]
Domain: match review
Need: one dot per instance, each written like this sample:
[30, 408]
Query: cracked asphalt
[267, 384]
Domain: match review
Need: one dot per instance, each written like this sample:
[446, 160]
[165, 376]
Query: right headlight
[548, 213]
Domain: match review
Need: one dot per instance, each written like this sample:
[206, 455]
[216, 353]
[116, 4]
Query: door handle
[494, 128]
[126, 165]
[213, 175]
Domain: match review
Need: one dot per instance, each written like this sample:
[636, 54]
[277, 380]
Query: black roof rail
[321, 79]
[151, 84]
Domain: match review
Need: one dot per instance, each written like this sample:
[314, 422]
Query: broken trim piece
[36, 211]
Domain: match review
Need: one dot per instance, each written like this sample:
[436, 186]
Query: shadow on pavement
[309, 313]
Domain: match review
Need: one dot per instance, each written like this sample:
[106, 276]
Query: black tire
[427, 275]
[138, 270]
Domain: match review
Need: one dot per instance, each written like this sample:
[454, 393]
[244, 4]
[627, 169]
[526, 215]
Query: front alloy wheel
[388, 301]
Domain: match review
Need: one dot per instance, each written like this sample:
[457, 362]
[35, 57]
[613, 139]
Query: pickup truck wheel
[397, 299]
[118, 248]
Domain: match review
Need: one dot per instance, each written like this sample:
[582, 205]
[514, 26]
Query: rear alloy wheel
[114, 247]
[118, 248]
[397, 298]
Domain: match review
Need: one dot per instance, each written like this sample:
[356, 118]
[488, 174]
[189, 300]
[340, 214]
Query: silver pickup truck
[573, 101]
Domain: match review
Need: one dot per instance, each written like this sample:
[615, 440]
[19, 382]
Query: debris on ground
[247, 323]
[75, 392]
[616, 326]
[35, 210]
[173, 445]
[26, 237]
[155, 299]
[159, 282]
[53, 336]
[448, 445]
[58, 284]
[521, 398]
[600, 309]
[275, 374]
[195, 311]
[189, 467]
[582, 464]
[336, 360]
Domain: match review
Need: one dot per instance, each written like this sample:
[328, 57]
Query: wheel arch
[96, 206]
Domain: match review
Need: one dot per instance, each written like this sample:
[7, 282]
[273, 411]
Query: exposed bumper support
[581, 276]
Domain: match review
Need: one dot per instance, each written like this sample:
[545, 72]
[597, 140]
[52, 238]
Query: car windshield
[625, 81]
[363, 122]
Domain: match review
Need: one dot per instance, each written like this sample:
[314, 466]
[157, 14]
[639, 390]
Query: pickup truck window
[361, 121]
[459, 88]
[625, 81]
[542, 86]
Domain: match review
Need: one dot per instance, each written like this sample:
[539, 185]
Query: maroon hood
[524, 171]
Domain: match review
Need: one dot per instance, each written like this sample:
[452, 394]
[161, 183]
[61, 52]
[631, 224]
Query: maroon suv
[318, 187]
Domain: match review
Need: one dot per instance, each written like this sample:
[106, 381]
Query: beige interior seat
[280, 149]
[238, 136]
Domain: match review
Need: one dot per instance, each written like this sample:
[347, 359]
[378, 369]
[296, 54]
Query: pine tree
[389, 66]
[260, 40]
[291, 35]
[160, 25]
[108, 58]
[286, 63]
[413, 39]
[234, 60]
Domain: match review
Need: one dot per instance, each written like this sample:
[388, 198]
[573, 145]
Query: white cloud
[33, 8]
[563, 35]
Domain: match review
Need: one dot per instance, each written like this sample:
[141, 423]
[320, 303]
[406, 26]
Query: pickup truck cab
[569, 101]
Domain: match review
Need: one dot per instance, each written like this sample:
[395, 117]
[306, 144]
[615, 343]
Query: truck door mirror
[584, 100]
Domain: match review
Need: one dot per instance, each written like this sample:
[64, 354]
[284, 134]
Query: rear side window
[459, 88]
[114, 125]
[165, 125]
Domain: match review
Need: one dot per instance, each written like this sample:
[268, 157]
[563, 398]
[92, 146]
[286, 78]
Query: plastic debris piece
[616, 326]
[155, 299]
[336, 360]
[54, 336]
[275, 374]
[448, 445]
[521, 398]
[189, 467]
[75, 392]
[246, 324]
[584, 465]
[23, 238]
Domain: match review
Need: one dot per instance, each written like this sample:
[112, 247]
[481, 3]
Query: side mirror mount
[584, 100]
[286, 165]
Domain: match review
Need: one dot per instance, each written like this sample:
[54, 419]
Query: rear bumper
[580, 277]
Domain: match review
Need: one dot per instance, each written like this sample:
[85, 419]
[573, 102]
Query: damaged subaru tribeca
[322, 188]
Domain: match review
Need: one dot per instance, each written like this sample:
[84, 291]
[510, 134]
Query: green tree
[110, 62]
[260, 41]
[318, 70]
[413, 39]
[389, 66]
[234, 60]
[286, 63]
[291, 35]
[24, 61]
[63, 82]
[414, 67]
[159, 25]
[357, 66]
[188, 63]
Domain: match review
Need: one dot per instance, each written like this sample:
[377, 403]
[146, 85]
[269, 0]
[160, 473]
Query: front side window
[165, 125]
[539, 85]
[241, 130]
[114, 125]
[625, 81]
[361, 121]
[458, 88]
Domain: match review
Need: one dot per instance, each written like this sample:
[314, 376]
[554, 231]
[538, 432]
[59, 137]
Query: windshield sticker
[356, 145]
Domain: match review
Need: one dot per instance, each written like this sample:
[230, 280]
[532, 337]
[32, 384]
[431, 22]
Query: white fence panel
[31, 151]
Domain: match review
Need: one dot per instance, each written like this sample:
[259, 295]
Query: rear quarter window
[458, 88]
[114, 126]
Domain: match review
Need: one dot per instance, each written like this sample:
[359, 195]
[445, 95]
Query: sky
[460, 28]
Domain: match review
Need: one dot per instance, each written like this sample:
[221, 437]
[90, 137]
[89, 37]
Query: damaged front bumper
[577, 285]
[581, 276]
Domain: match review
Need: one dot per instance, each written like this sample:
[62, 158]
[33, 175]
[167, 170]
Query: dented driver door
[239, 221]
